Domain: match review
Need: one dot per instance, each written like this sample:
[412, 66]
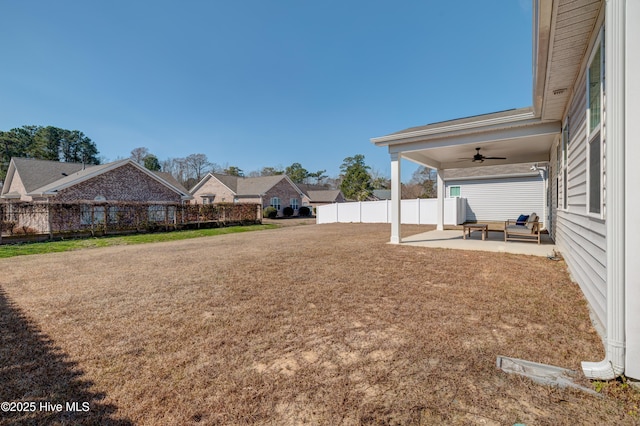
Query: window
[294, 203]
[156, 213]
[275, 202]
[454, 191]
[208, 199]
[563, 169]
[92, 215]
[595, 95]
[112, 214]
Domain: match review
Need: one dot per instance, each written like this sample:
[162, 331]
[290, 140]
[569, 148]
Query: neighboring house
[41, 181]
[499, 193]
[277, 191]
[589, 155]
[318, 195]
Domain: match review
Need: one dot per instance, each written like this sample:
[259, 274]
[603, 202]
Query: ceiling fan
[479, 158]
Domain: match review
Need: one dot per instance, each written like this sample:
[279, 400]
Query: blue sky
[256, 83]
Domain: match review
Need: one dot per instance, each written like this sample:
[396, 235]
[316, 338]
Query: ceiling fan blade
[495, 158]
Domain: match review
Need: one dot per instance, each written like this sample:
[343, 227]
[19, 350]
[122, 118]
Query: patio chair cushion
[530, 221]
[522, 219]
[519, 229]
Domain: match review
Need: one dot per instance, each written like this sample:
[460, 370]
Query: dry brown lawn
[316, 324]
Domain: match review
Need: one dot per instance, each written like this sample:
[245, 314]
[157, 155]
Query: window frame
[275, 203]
[459, 188]
[293, 203]
[595, 132]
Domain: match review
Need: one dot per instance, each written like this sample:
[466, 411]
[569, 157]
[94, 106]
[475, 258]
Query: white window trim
[459, 191]
[591, 135]
[563, 161]
[277, 205]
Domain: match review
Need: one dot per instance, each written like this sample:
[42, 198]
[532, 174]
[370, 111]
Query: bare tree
[138, 154]
[198, 164]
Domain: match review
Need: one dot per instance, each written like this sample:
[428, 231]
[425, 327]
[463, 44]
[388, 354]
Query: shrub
[304, 211]
[287, 211]
[270, 212]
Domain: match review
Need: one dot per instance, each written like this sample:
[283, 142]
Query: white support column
[396, 194]
[440, 187]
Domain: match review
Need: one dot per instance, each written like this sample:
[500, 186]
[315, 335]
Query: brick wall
[126, 183]
[285, 191]
[213, 186]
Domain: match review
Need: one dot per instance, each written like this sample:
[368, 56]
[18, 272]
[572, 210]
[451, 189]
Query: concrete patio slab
[452, 239]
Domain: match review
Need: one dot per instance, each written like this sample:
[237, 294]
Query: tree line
[46, 143]
[356, 180]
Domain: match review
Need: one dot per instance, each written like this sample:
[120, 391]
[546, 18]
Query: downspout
[613, 365]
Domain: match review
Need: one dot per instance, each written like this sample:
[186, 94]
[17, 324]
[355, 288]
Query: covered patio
[452, 239]
[513, 136]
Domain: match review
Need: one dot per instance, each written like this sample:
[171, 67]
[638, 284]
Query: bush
[304, 211]
[287, 211]
[270, 212]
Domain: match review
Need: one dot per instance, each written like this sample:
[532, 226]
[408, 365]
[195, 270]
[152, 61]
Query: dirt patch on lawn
[317, 324]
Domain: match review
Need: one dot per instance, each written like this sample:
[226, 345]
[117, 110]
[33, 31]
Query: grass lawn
[318, 324]
[11, 250]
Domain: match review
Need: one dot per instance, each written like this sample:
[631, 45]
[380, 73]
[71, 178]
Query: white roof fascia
[90, 174]
[515, 120]
[183, 195]
[199, 184]
[534, 128]
[11, 170]
[235, 193]
[293, 184]
[542, 20]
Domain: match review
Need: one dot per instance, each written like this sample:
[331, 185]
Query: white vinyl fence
[414, 212]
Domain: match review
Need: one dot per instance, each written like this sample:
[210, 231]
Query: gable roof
[246, 186]
[37, 173]
[42, 177]
[324, 196]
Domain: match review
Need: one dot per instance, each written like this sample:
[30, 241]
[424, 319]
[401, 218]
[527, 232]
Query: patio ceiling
[515, 134]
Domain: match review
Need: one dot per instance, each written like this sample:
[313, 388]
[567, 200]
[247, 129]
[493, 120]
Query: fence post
[49, 218]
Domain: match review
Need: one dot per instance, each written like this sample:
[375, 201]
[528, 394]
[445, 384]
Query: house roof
[324, 196]
[38, 173]
[172, 180]
[42, 177]
[382, 194]
[246, 186]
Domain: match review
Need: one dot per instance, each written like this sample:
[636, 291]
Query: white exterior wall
[414, 212]
[580, 237]
[502, 199]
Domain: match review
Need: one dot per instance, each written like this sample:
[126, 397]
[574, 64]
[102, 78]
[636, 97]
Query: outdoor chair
[522, 229]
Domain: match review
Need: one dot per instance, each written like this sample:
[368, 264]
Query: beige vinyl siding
[581, 238]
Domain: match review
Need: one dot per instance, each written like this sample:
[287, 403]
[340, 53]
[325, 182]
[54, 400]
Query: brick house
[277, 191]
[41, 182]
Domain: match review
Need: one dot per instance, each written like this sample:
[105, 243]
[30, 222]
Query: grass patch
[78, 244]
